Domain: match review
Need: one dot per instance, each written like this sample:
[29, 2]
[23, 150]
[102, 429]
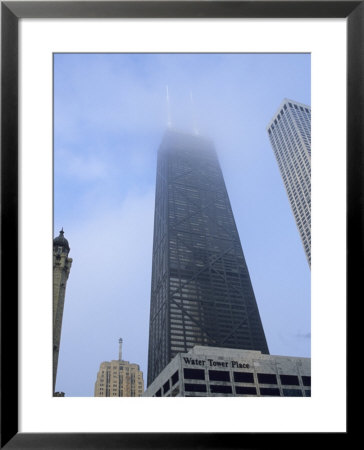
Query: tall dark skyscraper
[201, 290]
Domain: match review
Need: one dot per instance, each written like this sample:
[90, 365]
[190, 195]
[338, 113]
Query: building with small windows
[119, 378]
[201, 291]
[61, 270]
[290, 136]
[225, 372]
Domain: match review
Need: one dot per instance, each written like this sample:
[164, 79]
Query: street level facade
[225, 372]
[290, 136]
[201, 291]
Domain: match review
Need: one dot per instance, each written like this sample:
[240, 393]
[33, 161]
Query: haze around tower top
[110, 113]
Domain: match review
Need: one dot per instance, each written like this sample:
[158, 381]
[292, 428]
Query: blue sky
[110, 113]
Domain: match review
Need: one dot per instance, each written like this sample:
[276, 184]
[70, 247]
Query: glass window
[166, 387]
[158, 393]
[273, 392]
[175, 392]
[195, 387]
[245, 390]
[243, 377]
[219, 375]
[292, 393]
[175, 378]
[194, 374]
[220, 389]
[306, 380]
[267, 378]
[289, 379]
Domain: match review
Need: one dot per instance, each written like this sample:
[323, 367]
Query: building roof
[61, 241]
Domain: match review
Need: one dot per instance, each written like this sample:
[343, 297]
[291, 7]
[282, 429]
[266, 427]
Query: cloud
[84, 167]
[108, 290]
[304, 335]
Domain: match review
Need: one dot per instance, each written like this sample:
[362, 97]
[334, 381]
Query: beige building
[61, 270]
[119, 378]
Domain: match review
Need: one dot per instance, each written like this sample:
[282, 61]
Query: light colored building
[290, 135]
[119, 378]
[61, 270]
[221, 372]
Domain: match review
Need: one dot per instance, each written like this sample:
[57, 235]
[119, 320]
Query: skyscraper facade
[290, 135]
[119, 378]
[61, 270]
[201, 291]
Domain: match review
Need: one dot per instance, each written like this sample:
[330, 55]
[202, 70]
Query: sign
[213, 363]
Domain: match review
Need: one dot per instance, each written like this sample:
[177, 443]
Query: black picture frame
[11, 12]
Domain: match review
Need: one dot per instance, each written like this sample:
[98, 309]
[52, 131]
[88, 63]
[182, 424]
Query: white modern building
[290, 135]
[221, 372]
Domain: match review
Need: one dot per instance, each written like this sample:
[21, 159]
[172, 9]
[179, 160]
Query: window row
[245, 377]
[245, 390]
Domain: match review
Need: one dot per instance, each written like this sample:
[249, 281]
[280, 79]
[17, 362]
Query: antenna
[169, 122]
[120, 344]
[195, 129]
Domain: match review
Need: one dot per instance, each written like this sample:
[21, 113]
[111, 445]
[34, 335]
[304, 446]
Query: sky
[110, 113]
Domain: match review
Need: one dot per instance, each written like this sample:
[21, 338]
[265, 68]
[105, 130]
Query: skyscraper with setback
[290, 135]
[119, 378]
[201, 290]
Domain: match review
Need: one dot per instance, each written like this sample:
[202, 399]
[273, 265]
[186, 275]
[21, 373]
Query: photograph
[181, 225]
[163, 233]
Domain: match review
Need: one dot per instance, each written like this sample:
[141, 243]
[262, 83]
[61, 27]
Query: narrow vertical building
[119, 378]
[201, 291]
[61, 270]
[290, 135]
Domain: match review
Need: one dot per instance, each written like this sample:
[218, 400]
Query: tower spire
[120, 345]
